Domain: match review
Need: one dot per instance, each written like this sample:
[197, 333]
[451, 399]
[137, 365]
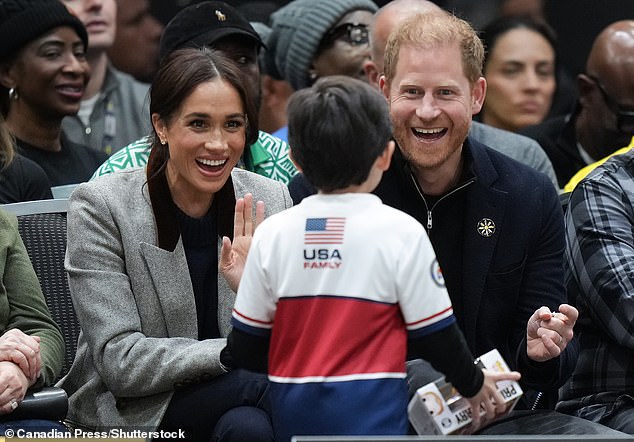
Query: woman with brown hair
[144, 249]
[520, 68]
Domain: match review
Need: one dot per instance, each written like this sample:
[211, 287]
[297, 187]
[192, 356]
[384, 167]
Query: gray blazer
[135, 303]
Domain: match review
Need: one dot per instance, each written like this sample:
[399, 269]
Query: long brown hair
[181, 72]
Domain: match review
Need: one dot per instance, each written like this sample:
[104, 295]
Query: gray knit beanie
[297, 29]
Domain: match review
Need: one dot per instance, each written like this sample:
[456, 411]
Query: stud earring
[312, 76]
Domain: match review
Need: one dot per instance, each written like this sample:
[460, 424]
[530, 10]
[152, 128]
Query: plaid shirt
[600, 280]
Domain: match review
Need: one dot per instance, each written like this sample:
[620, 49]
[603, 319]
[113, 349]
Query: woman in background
[519, 67]
[43, 73]
[143, 258]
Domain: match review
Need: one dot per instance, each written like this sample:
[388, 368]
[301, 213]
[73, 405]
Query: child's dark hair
[337, 129]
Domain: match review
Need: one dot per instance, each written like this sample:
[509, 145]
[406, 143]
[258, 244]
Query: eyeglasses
[624, 117]
[355, 34]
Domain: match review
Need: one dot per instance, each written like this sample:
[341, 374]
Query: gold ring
[14, 404]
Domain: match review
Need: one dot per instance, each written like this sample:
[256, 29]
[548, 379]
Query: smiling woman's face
[50, 73]
[205, 138]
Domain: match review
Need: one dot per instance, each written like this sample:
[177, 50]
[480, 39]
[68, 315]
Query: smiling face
[50, 74]
[520, 75]
[431, 105]
[205, 137]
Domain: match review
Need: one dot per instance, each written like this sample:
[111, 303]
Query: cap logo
[220, 15]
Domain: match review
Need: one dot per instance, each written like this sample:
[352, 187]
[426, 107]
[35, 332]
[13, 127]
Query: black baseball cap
[202, 24]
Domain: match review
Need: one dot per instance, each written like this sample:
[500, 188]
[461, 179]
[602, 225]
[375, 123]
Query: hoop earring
[13, 94]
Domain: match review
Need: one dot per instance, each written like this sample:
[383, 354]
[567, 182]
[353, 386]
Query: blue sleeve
[447, 350]
[246, 350]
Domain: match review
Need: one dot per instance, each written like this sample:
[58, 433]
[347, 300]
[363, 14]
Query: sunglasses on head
[355, 34]
[624, 117]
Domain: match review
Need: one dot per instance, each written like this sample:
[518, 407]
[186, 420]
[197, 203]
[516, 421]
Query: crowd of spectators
[183, 125]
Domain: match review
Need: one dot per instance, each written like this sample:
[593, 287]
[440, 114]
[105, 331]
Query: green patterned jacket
[268, 157]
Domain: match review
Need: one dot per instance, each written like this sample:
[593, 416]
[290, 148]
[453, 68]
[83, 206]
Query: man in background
[603, 118]
[218, 26]
[112, 109]
[517, 147]
[136, 45]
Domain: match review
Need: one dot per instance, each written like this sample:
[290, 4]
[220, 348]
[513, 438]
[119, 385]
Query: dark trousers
[610, 409]
[232, 407]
